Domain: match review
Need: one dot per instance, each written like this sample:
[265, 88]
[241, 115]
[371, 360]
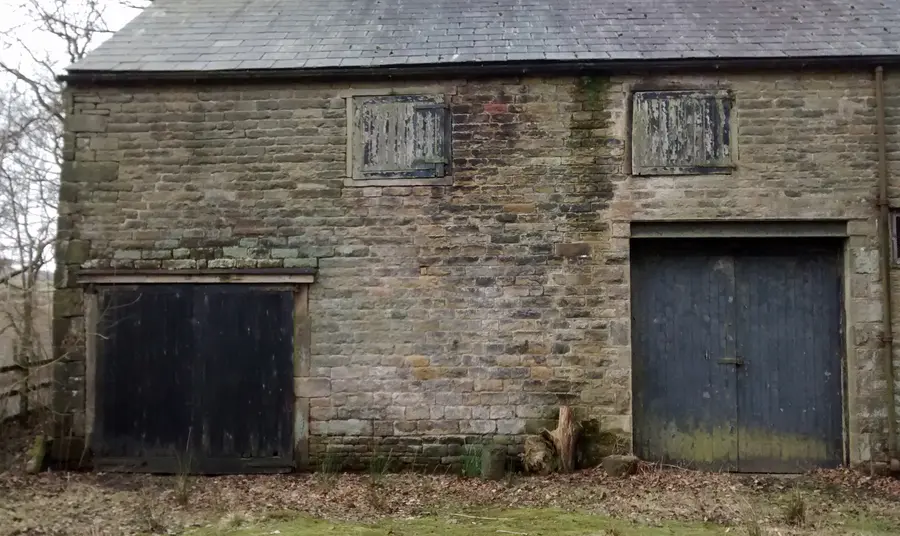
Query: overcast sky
[19, 32]
[17, 29]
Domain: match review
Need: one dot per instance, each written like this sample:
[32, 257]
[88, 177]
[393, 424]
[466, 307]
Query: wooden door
[194, 378]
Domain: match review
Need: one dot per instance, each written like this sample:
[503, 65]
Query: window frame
[352, 178]
[724, 96]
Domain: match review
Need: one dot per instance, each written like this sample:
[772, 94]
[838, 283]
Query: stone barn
[305, 233]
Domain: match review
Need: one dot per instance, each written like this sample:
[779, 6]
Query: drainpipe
[884, 235]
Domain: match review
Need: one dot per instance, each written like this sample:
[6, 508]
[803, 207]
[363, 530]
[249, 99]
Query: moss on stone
[588, 150]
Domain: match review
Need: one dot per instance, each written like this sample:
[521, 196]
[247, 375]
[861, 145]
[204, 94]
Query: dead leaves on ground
[52, 503]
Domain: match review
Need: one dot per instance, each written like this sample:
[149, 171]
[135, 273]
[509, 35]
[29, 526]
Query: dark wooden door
[789, 338]
[247, 376]
[145, 406]
[685, 407]
[737, 354]
[194, 377]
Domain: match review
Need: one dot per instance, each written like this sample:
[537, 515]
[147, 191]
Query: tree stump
[538, 457]
[563, 439]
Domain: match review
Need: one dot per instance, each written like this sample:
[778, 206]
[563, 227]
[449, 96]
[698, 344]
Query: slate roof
[212, 35]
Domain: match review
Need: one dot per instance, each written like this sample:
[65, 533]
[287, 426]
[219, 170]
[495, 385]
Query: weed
[330, 464]
[149, 520]
[415, 458]
[183, 484]
[471, 460]
[282, 515]
[375, 495]
[182, 488]
[232, 520]
[753, 528]
[795, 510]
[330, 467]
[751, 522]
[378, 467]
[381, 465]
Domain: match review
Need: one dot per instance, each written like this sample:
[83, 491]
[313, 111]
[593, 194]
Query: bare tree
[50, 35]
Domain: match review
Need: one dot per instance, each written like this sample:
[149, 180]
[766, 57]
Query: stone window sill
[435, 181]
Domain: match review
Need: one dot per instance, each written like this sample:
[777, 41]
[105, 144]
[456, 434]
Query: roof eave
[477, 69]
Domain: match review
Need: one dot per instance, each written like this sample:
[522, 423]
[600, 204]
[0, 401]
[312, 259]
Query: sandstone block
[312, 387]
[620, 465]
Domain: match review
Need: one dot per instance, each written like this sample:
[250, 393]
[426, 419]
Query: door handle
[736, 361]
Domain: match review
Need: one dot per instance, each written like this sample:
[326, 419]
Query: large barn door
[194, 378]
[737, 354]
[685, 408]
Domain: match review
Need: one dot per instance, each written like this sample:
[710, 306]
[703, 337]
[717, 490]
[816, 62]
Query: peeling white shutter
[402, 136]
[681, 132]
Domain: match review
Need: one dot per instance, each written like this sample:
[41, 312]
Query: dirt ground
[835, 502]
[655, 501]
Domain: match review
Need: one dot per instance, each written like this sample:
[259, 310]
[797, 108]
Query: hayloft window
[399, 137]
[681, 133]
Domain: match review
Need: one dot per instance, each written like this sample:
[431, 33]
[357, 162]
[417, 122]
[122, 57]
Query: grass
[753, 528]
[471, 460]
[795, 509]
[329, 471]
[381, 465]
[183, 486]
[149, 519]
[522, 521]
[533, 522]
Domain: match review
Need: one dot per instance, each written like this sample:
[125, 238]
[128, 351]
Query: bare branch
[51, 35]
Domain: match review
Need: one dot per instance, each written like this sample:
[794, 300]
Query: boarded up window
[401, 136]
[681, 132]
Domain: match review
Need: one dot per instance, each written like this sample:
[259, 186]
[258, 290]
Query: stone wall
[442, 315]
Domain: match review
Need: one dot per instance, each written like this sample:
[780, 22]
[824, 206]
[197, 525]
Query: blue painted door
[737, 354]
[789, 338]
[685, 406]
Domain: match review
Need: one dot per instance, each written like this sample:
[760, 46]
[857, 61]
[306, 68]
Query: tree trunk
[563, 439]
[25, 351]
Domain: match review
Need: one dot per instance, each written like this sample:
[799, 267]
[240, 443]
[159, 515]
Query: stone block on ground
[619, 466]
[493, 462]
[37, 455]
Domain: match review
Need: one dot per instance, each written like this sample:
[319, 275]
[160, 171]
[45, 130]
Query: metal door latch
[736, 361]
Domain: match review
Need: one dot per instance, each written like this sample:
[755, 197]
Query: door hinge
[736, 361]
